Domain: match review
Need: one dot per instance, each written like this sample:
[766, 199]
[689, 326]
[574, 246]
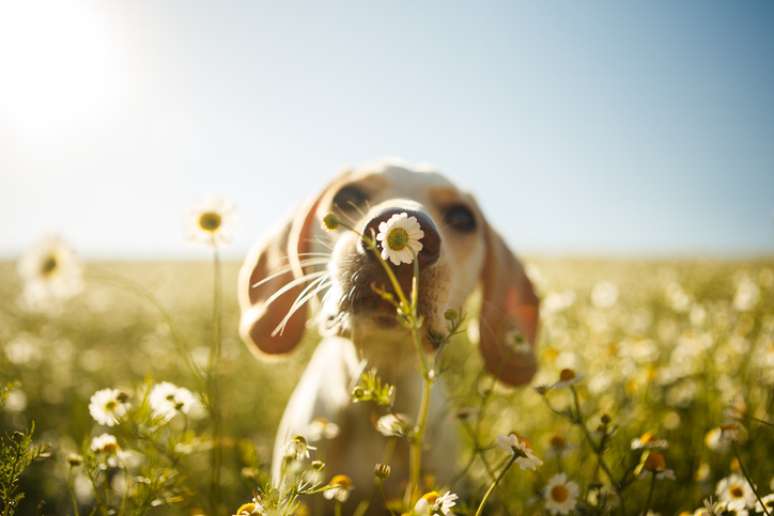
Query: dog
[301, 264]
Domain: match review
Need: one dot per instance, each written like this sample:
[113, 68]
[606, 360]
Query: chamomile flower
[560, 495]
[393, 425]
[434, 504]
[212, 222]
[400, 238]
[51, 273]
[297, 448]
[567, 377]
[525, 458]
[321, 428]
[558, 446]
[167, 400]
[654, 462]
[735, 492]
[768, 502]
[648, 441]
[105, 443]
[341, 485]
[251, 508]
[108, 406]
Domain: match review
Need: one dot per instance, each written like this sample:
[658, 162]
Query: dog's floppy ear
[508, 321]
[261, 277]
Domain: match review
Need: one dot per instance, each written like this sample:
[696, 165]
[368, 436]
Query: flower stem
[492, 487]
[650, 492]
[213, 385]
[749, 480]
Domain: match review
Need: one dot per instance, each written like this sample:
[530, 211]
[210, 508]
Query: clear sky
[601, 128]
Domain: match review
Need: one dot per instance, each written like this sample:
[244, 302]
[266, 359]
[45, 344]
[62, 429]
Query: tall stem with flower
[408, 314]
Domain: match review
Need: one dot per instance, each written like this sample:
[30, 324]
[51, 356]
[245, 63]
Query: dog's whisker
[289, 268]
[308, 293]
[292, 284]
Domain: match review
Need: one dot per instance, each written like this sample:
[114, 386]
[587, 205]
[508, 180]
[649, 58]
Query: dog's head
[301, 262]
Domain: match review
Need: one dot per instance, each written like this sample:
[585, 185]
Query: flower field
[655, 393]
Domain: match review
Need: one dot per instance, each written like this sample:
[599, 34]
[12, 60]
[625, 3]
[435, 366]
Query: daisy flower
[525, 458]
[654, 462]
[297, 448]
[768, 502]
[167, 400]
[105, 443]
[212, 222]
[400, 238]
[567, 377]
[558, 446]
[253, 507]
[51, 272]
[393, 425]
[648, 441]
[341, 485]
[560, 495]
[321, 428]
[735, 492]
[108, 406]
[434, 504]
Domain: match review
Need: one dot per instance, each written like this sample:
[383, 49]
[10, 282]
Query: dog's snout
[431, 240]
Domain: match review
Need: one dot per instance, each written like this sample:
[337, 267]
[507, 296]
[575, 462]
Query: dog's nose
[431, 240]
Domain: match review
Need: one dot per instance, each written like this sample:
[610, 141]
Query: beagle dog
[301, 264]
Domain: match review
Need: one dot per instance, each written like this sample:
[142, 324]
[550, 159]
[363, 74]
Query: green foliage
[17, 452]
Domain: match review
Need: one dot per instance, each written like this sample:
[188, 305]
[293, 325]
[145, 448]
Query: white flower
[567, 377]
[393, 425]
[108, 406]
[321, 428]
[297, 448]
[252, 508]
[604, 294]
[212, 222]
[400, 238]
[560, 494]
[649, 441]
[167, 400]
[433, 504]
[51, 272]
[106, 445]
[768, 502]
[341, 485]
[525, 458]
[735, 492]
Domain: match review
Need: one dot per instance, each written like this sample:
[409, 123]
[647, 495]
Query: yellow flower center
[566, 375]
[110, 448]
[342, 481]
[49, 265]
[210, 221]
[646, 438]
[246, 508]
[655, 462]
[397, 239]
[559, 493]
[737, 491]
[110, 406]
[430, 497]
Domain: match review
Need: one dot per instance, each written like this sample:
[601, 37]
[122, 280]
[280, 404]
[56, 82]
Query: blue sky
[603, 128]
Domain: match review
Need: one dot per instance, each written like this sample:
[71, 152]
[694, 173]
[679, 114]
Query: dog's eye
[350, 197]
[460, 217]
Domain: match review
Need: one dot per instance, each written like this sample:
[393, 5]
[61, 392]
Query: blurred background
[624, 150]
[623, 129]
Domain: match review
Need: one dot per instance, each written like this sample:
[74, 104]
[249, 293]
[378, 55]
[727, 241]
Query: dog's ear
[262, 276]
[508, 322]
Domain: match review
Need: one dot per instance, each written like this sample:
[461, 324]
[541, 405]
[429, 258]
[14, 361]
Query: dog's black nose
[431, 240]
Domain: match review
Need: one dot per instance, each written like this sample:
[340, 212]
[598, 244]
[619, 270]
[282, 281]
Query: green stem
[213, 385]
[749, 480]
[492, 487]
[650, 492]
